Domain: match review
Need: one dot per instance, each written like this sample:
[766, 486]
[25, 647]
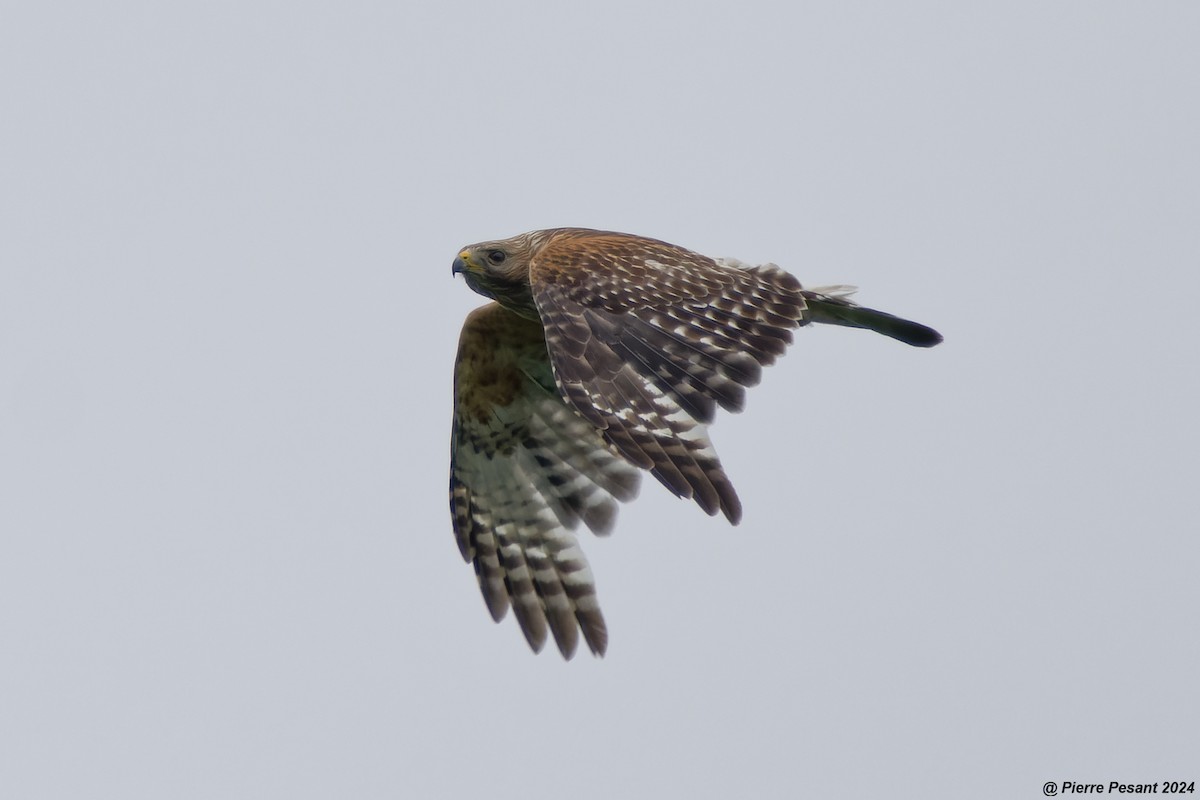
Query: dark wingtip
[566, 645]
[595, 633]
[731, 505]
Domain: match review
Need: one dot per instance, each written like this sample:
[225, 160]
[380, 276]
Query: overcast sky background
[227, 331]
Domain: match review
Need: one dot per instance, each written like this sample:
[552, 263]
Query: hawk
[604, 354]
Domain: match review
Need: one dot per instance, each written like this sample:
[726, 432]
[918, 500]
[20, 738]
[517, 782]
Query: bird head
[500, 270]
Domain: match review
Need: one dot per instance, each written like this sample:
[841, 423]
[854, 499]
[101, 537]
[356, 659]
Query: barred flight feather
[525, 472]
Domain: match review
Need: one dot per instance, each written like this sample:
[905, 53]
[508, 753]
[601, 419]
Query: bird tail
[828, 304]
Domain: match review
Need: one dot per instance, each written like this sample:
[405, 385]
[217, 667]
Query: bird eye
[496, 256]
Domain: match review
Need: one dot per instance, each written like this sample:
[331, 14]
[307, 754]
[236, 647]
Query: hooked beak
[460, 263]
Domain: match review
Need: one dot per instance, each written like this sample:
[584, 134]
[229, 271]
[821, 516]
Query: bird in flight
[604, 354]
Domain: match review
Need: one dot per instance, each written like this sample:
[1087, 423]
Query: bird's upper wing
[525, 471]
[647, 338]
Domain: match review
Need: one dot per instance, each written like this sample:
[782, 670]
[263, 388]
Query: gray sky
[227, 330]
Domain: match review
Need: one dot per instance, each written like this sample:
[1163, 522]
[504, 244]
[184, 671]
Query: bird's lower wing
[525, 471]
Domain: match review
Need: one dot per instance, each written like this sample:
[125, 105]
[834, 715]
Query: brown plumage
[605, 352]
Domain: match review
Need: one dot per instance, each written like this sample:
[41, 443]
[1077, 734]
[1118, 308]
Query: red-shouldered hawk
[605, 353]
